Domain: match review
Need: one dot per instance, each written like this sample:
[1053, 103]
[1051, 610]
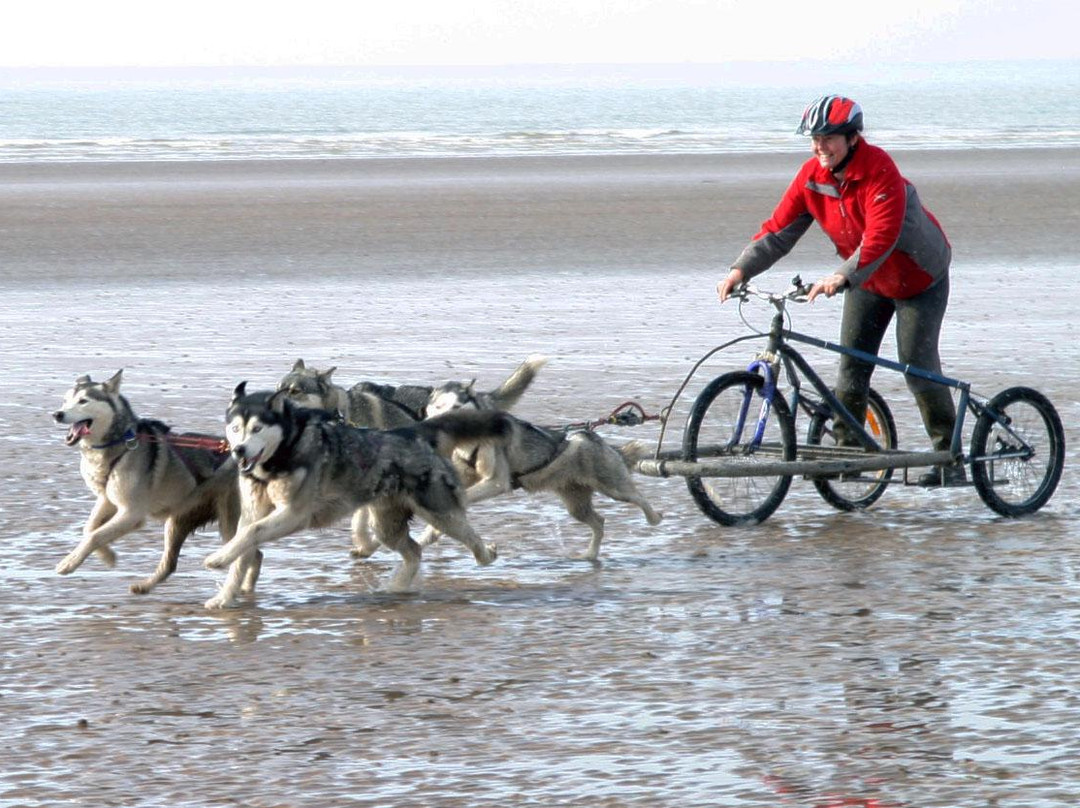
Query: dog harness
[146, 431]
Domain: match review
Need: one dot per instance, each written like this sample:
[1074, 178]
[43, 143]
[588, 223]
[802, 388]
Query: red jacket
[890, 243]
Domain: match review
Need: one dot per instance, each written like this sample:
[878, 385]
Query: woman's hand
[724, 287]
[828, 286]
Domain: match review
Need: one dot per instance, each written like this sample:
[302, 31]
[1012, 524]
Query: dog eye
[256, 429]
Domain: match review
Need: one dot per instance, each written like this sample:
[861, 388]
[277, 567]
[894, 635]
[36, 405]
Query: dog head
[90, 409]
[450, 396]
[308, 387]
[256, 424]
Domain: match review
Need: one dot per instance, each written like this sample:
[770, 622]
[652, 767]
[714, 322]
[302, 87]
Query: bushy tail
[451, 429]
[634, 451]
[508, 393]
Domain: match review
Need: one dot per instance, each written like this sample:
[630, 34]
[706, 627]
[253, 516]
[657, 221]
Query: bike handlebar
[796, 294]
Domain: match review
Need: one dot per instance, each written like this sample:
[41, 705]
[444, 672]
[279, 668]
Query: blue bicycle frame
[768, 366]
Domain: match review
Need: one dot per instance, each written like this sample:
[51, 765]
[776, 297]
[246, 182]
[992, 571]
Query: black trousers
[918, 326]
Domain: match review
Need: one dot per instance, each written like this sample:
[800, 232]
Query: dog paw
[396, 587]
[405, 581]
[141, 588]
[655, 518]
[217, 560]
[490, 555]
[364, 549]
[220, 601]
[68, 565]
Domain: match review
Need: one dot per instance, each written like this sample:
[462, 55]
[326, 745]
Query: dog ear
[469, 387]
[326, 374]
[299, 365]
[113, 384]
[84, 379]
[278, 402]
[238, 392]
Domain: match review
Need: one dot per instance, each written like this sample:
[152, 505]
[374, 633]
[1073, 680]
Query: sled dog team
[312, 453]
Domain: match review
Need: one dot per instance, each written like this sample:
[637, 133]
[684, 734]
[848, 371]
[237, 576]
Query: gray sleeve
[763, 252]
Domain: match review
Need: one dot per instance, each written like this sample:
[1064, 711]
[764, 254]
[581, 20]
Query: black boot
[943, 477]
[938, 413]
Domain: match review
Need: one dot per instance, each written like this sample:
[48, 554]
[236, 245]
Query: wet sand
[923, 653]
[651, 213]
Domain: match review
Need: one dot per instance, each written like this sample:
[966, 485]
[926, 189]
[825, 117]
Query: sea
[336, 112]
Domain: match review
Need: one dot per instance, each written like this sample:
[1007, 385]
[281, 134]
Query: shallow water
[923, 653]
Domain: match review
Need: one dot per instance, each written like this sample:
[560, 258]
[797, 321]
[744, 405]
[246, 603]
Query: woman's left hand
[828, 286]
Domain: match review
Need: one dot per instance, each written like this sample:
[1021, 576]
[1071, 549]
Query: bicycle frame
[1016, 426]
[779, 351]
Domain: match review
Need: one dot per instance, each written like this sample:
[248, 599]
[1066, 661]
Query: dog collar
[128, 437]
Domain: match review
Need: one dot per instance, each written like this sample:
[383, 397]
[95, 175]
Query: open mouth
[248, 464]
[79, 430]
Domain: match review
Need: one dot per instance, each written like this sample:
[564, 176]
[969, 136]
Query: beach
[386, 216]
[920, 654]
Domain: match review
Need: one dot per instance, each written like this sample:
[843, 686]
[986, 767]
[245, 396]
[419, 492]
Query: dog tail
[451, 429]
[508, 393]
[634, 451]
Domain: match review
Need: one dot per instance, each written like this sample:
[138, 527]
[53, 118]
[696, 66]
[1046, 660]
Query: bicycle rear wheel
[1017, 457]
[859, 491]
[709, 435]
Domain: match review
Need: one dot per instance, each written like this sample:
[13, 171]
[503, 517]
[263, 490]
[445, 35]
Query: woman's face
[830, 149]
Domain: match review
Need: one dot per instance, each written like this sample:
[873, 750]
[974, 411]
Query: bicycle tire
[744, 500]
[1017, 486]
[866, 488]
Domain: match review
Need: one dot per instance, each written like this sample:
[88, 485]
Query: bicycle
[1016, 456]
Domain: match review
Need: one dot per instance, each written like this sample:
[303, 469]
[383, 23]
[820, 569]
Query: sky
[137, 33]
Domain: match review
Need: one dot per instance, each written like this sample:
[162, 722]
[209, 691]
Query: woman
[895, 261]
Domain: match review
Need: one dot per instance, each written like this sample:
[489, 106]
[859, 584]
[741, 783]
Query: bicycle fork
[768, 365]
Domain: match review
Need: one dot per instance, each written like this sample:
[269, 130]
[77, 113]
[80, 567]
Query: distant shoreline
[1054, 158]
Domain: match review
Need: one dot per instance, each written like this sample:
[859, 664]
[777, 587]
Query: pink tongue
[77, 431]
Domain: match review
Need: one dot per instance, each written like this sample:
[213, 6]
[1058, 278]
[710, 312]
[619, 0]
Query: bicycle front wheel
[856, 491]
[710, 436]
[1017, 451]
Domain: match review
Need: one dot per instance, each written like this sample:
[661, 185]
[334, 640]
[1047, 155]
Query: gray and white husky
[306, 468]
[139, 469]
[574, 465]
[375, 406]
[382, 406]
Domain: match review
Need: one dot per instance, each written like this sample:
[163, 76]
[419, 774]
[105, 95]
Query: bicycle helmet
[831, 115]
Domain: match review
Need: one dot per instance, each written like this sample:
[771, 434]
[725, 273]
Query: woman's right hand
[725, 286]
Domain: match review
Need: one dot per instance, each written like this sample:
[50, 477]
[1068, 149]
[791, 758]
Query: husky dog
[572, 465]
[381, 406]
[139, 468]
[376, 406]
[304, 468]
[453, 395]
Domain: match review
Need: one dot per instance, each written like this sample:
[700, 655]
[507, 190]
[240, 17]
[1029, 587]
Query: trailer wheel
[1017, 451]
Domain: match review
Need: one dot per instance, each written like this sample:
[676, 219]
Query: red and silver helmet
[830, 115]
